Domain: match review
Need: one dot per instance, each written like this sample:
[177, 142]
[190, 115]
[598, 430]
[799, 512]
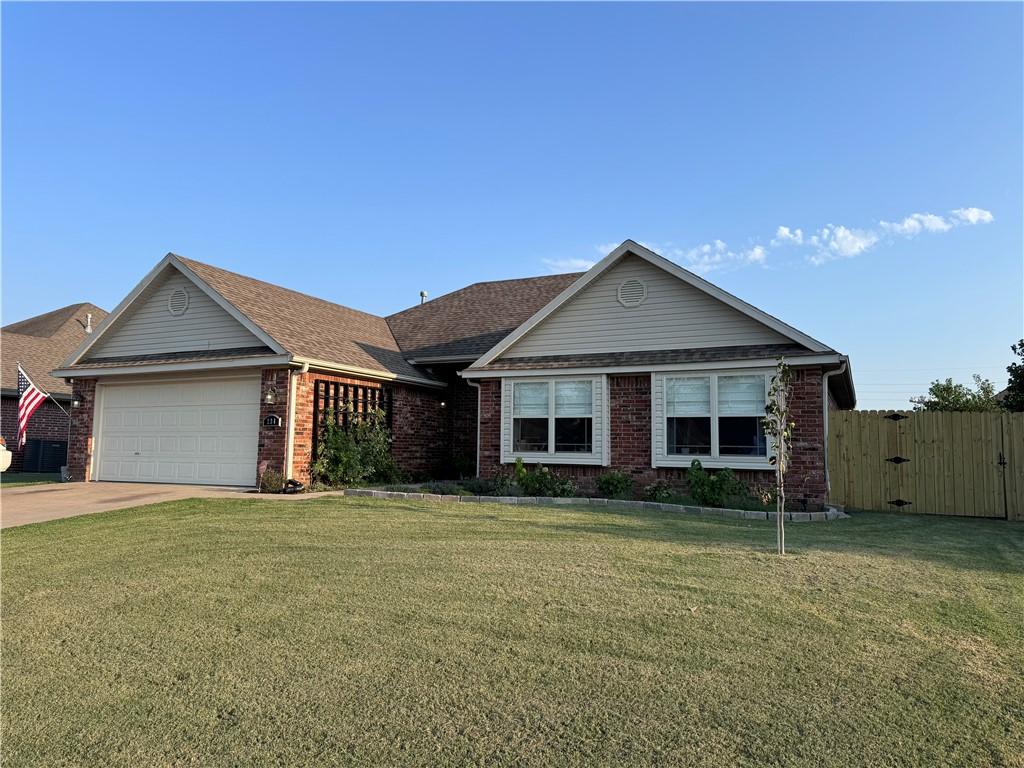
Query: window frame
[660, 457]
[598, 453]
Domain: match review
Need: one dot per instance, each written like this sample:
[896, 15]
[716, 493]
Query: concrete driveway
[37, 503]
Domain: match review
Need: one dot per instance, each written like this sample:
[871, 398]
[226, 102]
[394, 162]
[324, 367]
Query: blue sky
[365, 152]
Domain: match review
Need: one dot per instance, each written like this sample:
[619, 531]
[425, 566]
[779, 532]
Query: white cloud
[568, 265]
[756, 255]
[605, 248]
[786, 235]
[973, 216]
[916, 223]
[839, 242]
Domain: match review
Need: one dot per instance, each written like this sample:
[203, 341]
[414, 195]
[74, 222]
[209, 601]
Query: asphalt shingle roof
[42, 343]
[653, 357]
[310, 327]
[470, 321]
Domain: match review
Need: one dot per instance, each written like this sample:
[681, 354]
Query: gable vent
[632, 292]
[177, 302]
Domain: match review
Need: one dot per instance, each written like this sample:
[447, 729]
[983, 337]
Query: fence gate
[930, 462]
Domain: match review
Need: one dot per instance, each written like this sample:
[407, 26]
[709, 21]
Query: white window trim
[600, 452]
[660, 456]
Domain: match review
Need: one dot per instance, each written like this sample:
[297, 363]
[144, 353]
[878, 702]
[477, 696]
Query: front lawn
[356, 631]
[16, 479]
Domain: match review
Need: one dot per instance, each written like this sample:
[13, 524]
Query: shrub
[271, 481]
[444, 488]
[615, 485]
[355, 454]
[660, 491]
[715, 490]
[542, 481]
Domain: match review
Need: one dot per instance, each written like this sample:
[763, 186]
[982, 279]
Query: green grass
[366, 632]
[16, 479]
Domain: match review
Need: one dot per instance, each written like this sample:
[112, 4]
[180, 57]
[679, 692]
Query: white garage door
[193, 431]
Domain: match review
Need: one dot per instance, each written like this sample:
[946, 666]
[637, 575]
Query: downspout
[824, 413]
[289, 455]
[476, 386]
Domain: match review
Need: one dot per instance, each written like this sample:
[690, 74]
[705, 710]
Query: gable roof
[40, 343]
[631, 247]
[292, 324]
[464, 324]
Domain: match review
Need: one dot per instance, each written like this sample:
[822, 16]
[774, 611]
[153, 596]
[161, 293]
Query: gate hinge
[900, 503]
[897, 460]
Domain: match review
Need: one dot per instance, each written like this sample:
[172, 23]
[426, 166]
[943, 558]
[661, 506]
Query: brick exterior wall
[420, 429]
[47, 423]
[420, 426]
[80, 446]
[273, 441]
[630, 410]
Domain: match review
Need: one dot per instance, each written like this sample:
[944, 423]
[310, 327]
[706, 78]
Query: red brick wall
[630, 410]
[273, 441]
[302, 450]
[420, 426]
[47, 423]
[420, 429]
[80, 446]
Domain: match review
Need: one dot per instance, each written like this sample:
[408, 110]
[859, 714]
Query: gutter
[325, 365]
[824, 409]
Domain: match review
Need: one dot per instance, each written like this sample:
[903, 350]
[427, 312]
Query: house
[40, 344]
[200, 375]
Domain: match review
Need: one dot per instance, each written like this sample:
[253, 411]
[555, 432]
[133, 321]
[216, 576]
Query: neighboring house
[200, 375]
[40, 344]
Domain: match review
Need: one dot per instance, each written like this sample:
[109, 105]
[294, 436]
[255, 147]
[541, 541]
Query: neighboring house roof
[41, 343]
[466, 323]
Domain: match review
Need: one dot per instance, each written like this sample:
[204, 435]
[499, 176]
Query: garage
[198, 430]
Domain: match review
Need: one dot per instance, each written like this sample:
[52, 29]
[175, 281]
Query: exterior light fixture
[271, 396]
[76, 400]
[444, 404]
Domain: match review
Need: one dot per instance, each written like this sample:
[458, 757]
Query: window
[714, 416]
[553, 416]
[530, 410]
[688, 416]
[741, 401]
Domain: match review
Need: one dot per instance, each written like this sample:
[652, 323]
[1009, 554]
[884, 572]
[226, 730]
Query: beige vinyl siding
[600, 435]
[149, 328]
[673, 316]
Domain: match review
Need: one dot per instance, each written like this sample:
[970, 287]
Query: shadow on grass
[967, 543]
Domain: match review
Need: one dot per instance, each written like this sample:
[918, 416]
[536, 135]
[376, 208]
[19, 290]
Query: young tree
[779, 429]
[1013, 400]
[948, 396]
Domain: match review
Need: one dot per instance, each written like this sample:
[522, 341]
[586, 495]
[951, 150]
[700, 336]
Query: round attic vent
[632, 292]
[177, 302]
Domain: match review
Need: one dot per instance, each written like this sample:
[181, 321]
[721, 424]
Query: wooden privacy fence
[969, 464]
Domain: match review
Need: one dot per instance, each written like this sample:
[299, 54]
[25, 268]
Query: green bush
[615, 485]
[660, 491]
[542, 481]
[357, 454]
[715, 490]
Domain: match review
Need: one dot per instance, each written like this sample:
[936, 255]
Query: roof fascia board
[675, 270]
[198, 365]
[227, 306]
[329, 367]
[793, 362]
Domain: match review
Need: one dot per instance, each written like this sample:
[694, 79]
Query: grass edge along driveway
[358, 631]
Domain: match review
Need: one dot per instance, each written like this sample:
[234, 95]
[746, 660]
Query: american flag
[30, 397]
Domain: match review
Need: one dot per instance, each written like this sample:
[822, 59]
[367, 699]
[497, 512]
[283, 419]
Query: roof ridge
[67, 313]
[276, 286]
